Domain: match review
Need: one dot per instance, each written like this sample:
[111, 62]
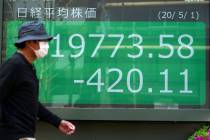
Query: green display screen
[121, 63]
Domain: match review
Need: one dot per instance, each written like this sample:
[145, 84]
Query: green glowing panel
[125, 63]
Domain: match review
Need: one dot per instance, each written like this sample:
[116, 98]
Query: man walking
[19, 87]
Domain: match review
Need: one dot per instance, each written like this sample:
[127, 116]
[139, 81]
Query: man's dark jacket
[19, 103]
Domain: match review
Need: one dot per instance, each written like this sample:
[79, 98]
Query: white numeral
[58, 54]
[121, 37]
[101, 36]
[140, 40]
[98, 83]
[111, 87]
[80, 47]
[185, 46]
[165, 90]
[186, 82]
[167, 45]
[140, 77]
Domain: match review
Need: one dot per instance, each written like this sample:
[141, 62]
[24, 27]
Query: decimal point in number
[150, 55]
[150, 90]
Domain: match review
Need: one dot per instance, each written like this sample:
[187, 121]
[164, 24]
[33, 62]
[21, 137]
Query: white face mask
[43, 49]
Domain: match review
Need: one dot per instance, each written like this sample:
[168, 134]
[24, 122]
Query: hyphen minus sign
[79, 81]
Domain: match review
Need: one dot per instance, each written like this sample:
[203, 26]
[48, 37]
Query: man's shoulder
[14, 62]
[16, 59]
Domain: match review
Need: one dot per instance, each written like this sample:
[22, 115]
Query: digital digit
[79, 48]
[111, 87]
[166, 45]
[121, 37]
[165, 74]
[137, 45]
[57, 54]
[185, 46]
[140, 77]
[186, 82]
[98, 83]
[101, 36]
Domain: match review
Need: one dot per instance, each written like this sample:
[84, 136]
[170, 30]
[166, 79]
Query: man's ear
[29, 43]
[32, 43]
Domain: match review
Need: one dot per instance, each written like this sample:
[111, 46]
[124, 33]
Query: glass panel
[130, 54]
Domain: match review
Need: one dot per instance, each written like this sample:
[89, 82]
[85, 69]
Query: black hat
[32, 30]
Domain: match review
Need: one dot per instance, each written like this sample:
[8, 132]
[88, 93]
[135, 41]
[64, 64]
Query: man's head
[33, 39]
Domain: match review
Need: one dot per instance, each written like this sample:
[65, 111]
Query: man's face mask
[43, 49]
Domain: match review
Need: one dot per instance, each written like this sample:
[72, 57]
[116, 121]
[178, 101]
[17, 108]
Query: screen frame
[135, 114]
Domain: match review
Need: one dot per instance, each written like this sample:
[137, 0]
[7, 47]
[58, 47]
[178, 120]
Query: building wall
[120, 130]
[117, 130]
